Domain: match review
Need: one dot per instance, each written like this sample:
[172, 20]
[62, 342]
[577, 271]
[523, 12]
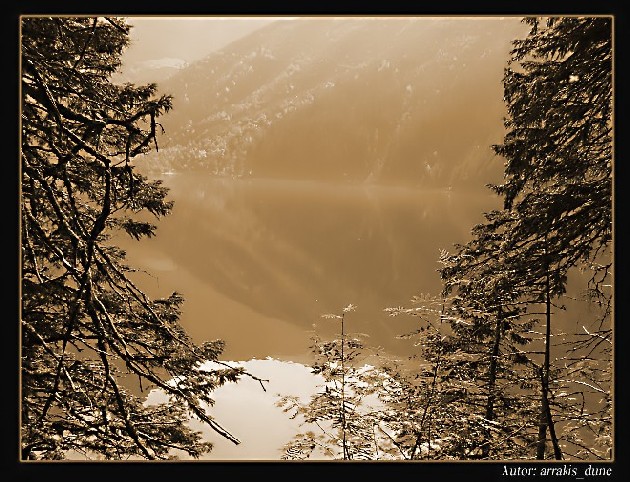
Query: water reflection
[258, 261]
[249, 412]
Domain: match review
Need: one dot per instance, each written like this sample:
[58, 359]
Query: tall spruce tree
[486, 308]
[558, 165]
[558, 145]
[557, 216]
[88, 334]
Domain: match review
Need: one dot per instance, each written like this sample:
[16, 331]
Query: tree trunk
[545, 419]
[492, 377]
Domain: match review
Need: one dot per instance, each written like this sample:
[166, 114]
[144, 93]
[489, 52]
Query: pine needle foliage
[460, 395]
[90, 338]
[558, 184]
[339, 423]
[486, 348]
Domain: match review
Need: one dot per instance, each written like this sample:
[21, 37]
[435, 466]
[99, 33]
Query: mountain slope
[388, 100]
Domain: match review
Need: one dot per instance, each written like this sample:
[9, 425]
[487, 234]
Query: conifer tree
[558, 145]
[423, 413]
[339, 423]
[485, 310]
[472, 370]
[90, 338]
[557, 215]
[558, 165]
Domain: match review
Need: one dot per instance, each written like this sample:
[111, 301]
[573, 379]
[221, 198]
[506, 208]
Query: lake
[258, 261]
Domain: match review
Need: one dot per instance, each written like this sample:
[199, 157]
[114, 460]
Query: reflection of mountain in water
[411, 100]
[336, 142]
[294, 250]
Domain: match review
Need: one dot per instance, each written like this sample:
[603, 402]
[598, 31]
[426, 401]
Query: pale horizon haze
[175, 41]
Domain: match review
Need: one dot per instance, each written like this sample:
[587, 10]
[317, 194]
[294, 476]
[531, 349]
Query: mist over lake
[317, 237]
[313, 166]
[258, 261]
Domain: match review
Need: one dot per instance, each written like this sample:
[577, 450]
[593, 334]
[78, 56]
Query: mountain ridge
[391, 100]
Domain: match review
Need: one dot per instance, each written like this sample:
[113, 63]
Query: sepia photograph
[318, 238]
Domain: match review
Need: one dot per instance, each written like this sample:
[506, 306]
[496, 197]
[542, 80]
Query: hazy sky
[186, 38]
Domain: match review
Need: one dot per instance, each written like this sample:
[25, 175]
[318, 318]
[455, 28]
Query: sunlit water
[258, 262]
[250, 413]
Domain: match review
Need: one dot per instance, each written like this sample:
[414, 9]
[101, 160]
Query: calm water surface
[258, 261]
